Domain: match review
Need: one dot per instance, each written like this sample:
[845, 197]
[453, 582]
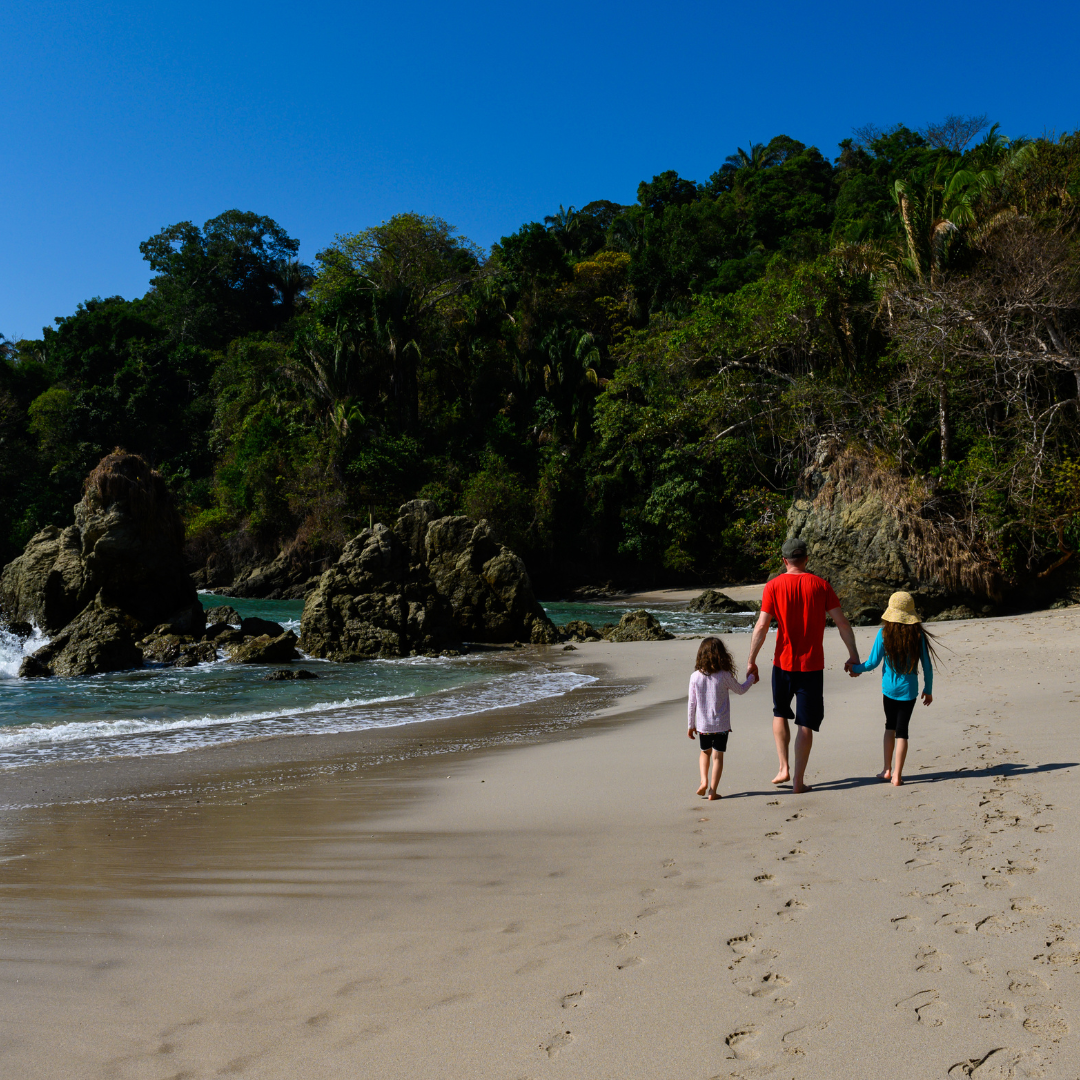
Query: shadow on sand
[1006, 769]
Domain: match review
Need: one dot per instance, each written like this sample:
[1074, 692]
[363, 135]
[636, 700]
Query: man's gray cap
[794, 548]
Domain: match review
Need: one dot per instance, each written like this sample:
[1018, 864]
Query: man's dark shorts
[806, 687]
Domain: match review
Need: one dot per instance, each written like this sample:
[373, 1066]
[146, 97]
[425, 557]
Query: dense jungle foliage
[627, 393]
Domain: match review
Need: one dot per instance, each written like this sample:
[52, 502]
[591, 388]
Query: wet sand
[569, 907]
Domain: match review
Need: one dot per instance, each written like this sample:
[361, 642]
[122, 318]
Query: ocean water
[672, 617]
[159, 710]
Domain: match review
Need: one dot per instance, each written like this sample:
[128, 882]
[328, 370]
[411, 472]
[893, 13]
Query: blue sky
[118, 119]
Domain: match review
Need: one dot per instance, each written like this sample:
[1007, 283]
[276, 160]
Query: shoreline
[568, 909]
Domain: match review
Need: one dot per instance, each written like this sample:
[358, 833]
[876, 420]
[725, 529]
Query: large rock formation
[96, 587]
[867, 530]
[639, 625]
[423, 586]
[711, 602]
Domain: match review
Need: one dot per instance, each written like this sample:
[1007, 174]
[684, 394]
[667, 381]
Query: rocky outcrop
[711, 602]
[98, 586]
[265, 650]
[422, 587]
[579, 630]
[639, 626]
[222, 614]
[868, 532]
[291, 575]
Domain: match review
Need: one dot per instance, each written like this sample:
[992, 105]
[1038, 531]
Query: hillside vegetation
[626, 393]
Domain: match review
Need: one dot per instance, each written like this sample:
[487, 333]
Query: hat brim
[896, 615]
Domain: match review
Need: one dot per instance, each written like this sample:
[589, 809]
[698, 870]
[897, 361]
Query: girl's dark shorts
[806, 687]
[897, 715]
[713, 740]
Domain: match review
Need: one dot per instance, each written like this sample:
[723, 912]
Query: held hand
[751, 669]
[927, 698]
[691, 733]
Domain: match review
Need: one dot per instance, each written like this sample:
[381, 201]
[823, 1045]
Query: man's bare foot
[701, 790]
[885, 774]
[713, 796]
[897, 781]
[782, 777]
[801, 789]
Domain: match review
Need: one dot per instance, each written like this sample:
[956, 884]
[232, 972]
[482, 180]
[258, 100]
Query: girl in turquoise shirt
[902, 642]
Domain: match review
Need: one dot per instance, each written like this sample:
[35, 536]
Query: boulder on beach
[639, 625]
[579, 630]
[711, 602]
[253, 626]
[98, 586]
[421, 587]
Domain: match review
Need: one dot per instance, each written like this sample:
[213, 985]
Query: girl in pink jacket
[708, 714]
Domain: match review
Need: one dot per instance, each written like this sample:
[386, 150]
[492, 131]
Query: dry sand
[571, 909]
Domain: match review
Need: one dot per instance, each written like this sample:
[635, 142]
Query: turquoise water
[159, 710]
[673, 618]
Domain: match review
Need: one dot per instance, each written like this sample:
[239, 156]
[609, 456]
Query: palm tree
[759, 157]
[562, 224]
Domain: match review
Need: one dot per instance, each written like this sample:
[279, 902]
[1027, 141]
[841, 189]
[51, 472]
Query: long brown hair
[712, 656]
[903, 645]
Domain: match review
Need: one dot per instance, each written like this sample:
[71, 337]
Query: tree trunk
[944, 421]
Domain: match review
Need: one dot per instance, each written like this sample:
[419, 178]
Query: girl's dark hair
[712, 656]
[903, 645]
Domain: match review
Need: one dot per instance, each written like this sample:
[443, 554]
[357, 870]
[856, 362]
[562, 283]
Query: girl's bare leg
[898, 768]
[782, 735]
[703, 764]
[887, 745]
[716, 772]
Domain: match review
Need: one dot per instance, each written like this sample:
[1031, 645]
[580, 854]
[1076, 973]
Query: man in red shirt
[799, 601]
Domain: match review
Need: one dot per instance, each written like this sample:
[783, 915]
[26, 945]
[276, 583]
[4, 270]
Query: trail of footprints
[1000, 849]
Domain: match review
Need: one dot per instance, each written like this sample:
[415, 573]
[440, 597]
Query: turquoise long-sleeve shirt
[893, 684]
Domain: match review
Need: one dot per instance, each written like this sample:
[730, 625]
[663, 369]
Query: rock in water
[421, 587]
[265, 650]
[256, 627]
[865, 533]
[711, 602]
[579, 630]
[639, 626]
[101, 584]
[284, 675]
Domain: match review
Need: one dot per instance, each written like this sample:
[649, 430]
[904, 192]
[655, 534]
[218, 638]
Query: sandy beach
[569, 907]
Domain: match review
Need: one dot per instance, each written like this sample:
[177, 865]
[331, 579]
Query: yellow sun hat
[901, 609]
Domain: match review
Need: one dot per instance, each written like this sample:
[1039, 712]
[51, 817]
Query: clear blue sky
[119, 118]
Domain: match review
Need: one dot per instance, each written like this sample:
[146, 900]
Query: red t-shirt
[799, 602]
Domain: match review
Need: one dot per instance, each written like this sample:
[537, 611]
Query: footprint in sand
[1063, 952]
[764, 877]
[767, 986]
[742, 945]
[650, 911]
[790, 911]
[1002, 1063]
[792, 855]
[1026, 982]
[928, 1006]
[573, 1000]
[557, 1044]
[629, 962]
[905, 922]
[772, 834]
[740, 1042]
[955, 922]
[1045, 1020]
[928, 960]
[1025, 904]
[1044, 828]
[995, 925]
